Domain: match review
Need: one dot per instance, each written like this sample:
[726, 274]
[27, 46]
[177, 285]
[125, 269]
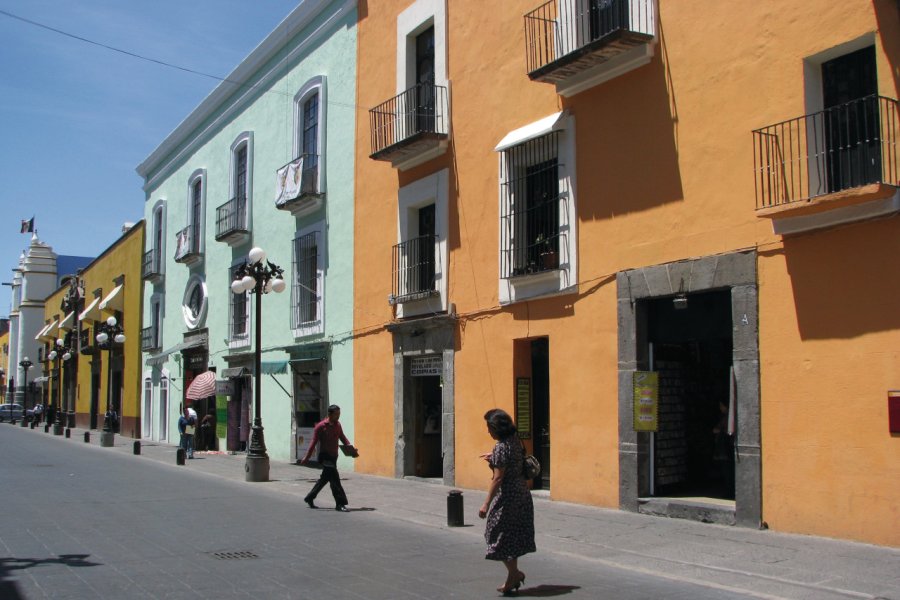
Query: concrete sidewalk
[764, 564]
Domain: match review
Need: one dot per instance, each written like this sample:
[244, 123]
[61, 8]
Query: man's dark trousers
[330, 476]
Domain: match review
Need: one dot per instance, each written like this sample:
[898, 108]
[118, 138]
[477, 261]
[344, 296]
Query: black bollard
[87, 437]
[137, 446]
[68, 433]
[455, 508]
[179, 456]
[32, 424]
[46, 427]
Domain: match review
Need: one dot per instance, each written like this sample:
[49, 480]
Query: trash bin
[455, 508]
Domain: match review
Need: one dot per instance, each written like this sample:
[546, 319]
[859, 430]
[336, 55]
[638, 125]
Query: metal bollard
[87, 437]
[32, 424]
[455, 508]
[179, 456]
[137, 446]
[46, 427]
[68, 433]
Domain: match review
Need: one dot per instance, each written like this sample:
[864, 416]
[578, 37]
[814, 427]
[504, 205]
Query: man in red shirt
[326, 435]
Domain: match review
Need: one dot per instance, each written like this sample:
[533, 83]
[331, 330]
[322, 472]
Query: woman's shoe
[512, 589]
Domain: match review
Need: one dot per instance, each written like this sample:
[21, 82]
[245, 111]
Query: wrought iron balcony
[587, 40]
[409, 125]
[151, 266]
[297, 185]
[231, 221]
[414, 269]
[149, 339]
[839, 148]
[86, 343]
[187, 246]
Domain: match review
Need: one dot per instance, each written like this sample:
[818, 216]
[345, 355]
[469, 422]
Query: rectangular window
[531, 192]
[196, 215]
[310, 145]
[306, 280]
[239, 323]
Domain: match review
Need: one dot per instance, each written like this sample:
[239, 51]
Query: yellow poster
[645, 400]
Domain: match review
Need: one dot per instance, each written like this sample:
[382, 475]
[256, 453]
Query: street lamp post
[261, 277]
[25, 364]
[59, 354]
[110, 332]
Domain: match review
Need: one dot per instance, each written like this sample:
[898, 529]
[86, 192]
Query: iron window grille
[150, 266]
[414, 269]
[839, 148]
[239, 323]
[306, 280]
[149, 338]
[232, 216]
[531, 200]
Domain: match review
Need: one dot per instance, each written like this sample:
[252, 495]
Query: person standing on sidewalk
[186, 424]
[326, 435]
[509, 530]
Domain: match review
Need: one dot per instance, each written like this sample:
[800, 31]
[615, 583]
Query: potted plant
[549, 255]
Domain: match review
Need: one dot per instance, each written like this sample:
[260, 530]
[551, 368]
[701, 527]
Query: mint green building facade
[266, 160]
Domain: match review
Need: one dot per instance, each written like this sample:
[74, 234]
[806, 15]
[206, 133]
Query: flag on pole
[27, 225]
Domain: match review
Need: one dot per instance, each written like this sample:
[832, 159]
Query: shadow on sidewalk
[548, 590]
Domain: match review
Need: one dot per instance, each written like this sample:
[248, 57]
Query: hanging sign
[424, 366]
[523, 407]
[645, 400]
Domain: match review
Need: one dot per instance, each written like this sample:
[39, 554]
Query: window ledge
[537, 285]
[848, 206]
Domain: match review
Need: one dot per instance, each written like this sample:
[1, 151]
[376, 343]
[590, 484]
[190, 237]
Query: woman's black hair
[500, 423]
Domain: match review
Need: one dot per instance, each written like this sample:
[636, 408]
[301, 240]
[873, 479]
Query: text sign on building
[646, 400]
[523, 407]
[424, 366]
[225, 387]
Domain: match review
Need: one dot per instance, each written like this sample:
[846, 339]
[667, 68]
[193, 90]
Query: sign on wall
[425, 366]
[523, 407]
[646, 400]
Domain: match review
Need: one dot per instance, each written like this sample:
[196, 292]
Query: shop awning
[235, 372]
[40, 334]
[47, 333]
[158, 359]
[92, 312]
[68, 323]
[41, 380]
[114, 301]
[275, 367]
[530, 131]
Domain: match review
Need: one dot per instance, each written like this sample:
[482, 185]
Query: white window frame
[244, 139]
[433, 189]
[195, 281]
[163, 400]
[159, 222]
[316, 326]
[244, 340]
[316, 85]
[199, 174]
[565, 278]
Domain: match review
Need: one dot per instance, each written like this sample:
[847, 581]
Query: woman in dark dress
[509, 531]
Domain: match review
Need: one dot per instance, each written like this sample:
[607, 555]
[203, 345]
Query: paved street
[81, 521]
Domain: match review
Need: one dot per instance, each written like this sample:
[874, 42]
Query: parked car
[11, 412]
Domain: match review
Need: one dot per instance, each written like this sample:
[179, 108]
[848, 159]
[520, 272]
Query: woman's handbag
[531, 467]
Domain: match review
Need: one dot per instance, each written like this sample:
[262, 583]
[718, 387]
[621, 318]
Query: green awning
[275, 367]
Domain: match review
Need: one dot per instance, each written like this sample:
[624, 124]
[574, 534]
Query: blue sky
[77, 118]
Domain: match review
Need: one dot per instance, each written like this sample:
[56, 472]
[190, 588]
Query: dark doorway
[691, 349]
[852, 123]
[310, 405]
[425, 96]
[425, 250]
[95, 398]
[607, 16]
[115, 399]
[426, 418]
[540, 386]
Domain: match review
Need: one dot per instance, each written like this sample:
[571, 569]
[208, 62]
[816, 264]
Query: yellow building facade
[98, 376]
[554, 200]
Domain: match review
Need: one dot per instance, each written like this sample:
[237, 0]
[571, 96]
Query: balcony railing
[414, 269]
[839, 148]
[86, 344]
[187, 249]
[564, 38]
[151, 266]
[410, 124]
[149, 339]
[231, 220]
[297, 185]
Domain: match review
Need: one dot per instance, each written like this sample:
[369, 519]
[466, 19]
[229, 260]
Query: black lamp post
[25, 364]
[259, 276]
[59, 354]
[110, 332]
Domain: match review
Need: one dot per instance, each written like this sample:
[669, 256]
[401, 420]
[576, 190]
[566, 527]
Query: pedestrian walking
[509, 530]
[326, 435]
[186, 425]
[37, 412]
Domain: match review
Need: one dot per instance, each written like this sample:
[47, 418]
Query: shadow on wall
[627, 142]
[887, 14]
[845, 281]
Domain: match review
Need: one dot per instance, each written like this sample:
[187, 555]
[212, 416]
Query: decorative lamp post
[25, 364]
[59, 354]
[259, 276]
[110, 332]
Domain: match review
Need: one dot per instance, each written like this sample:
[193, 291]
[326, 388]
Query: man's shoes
[310, 503]
[341, 508]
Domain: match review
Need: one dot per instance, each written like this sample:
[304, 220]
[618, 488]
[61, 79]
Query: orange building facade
[572, 209]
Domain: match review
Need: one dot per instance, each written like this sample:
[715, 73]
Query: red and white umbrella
[203, 386]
